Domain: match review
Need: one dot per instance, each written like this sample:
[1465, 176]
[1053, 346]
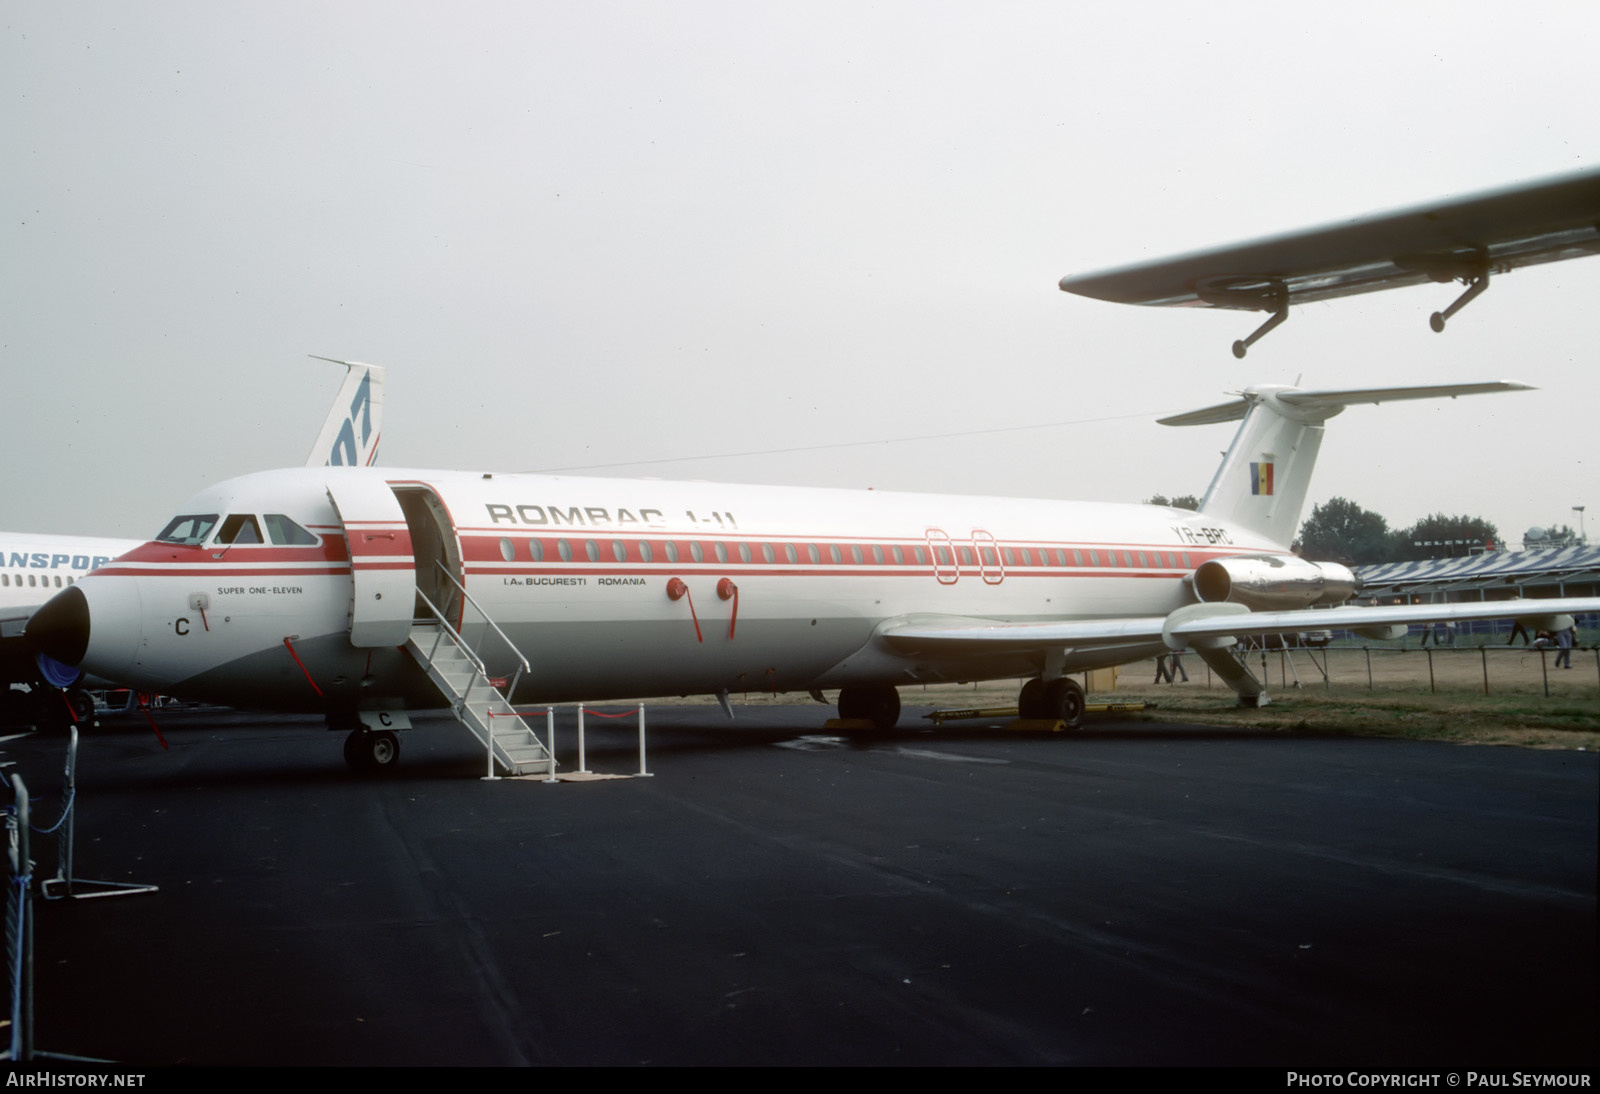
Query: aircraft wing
[1203, 622]
[1458, 238]
[14, 617]
[973, 636]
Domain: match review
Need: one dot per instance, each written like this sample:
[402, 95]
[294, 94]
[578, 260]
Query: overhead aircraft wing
[1187, 625]
[1457, 239]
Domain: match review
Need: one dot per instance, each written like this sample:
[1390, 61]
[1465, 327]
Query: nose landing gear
[372, 750]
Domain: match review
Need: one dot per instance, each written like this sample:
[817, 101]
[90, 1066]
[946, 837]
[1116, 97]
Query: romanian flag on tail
[1261, 478]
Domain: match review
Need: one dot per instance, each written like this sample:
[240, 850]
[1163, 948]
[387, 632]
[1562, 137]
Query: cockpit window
[190, 531]
[240, 528]
[286, 533]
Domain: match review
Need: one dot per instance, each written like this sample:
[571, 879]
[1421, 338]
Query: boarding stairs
[477, 703]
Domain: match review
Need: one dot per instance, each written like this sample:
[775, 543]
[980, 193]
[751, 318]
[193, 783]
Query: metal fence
[1484, 669]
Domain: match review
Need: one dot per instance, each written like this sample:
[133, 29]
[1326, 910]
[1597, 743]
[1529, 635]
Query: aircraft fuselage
[619, 588]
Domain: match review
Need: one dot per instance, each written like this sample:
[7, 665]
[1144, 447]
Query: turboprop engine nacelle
[1274, 582]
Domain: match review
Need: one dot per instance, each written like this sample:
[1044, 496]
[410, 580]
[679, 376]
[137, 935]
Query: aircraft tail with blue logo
[350, 436]
[1266, 473]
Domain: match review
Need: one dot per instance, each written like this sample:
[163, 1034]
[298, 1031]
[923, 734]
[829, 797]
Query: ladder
[486, 712]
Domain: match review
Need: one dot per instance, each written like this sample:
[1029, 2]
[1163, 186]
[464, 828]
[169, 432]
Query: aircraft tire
[381, 751]
[82, 706]
[1030, 704]
[354, 754]
[1064, 699]
[875, 703]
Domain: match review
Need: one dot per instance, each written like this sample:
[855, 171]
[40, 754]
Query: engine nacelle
[1274, 582]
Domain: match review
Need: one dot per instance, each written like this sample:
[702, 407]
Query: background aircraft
[366, 593]
[35, 567]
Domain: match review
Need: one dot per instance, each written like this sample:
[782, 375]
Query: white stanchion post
[643, 774]
[583, 763]
[488, 753]
[550, 735]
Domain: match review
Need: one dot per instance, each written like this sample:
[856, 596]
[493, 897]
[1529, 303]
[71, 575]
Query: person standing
[1566, 640]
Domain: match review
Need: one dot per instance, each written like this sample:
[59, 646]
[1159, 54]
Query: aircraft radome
[365, 593]
[34, 567]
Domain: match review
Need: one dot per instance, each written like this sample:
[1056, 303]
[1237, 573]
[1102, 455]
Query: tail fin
[1266, 474]
[349, 437]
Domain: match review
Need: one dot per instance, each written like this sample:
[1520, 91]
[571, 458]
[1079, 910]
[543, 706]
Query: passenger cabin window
[286, 533]
[188, 531]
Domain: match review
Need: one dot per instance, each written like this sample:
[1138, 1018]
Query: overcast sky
[583, 234]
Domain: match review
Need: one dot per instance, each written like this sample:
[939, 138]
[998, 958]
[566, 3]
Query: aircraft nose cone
[60, 629]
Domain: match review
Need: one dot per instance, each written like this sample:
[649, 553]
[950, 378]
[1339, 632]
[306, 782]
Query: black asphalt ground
[1132, 895]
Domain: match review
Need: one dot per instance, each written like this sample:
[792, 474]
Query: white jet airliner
[34, 567]
[365, 593]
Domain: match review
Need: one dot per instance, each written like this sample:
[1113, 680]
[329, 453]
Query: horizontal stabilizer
[1317, 406]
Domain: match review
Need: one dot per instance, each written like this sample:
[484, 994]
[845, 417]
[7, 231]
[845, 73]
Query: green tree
[1440, 536]
[1339, 530]
[1184, 501]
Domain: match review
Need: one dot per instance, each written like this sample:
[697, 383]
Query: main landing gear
[875, 703]
[1057, 700]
